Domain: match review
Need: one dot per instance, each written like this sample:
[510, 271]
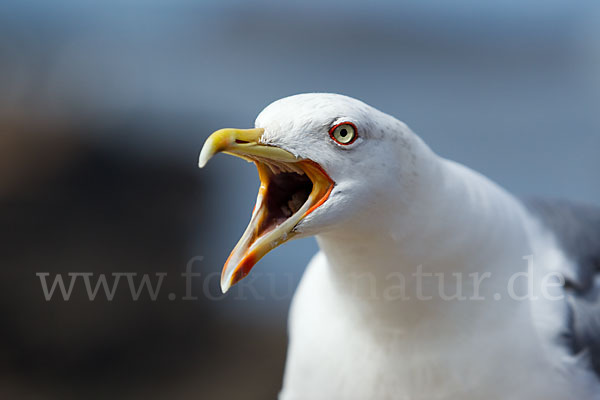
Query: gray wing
[577, 229]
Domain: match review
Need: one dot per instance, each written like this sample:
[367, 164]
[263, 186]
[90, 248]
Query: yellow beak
[243, 143]
[291, 188]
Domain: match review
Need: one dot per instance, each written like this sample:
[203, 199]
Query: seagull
[432, 282]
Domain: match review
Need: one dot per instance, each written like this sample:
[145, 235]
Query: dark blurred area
[68, 205]
[105, 106]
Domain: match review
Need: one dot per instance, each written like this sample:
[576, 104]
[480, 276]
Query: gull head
[325, 162]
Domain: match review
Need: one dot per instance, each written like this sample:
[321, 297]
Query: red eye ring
[333, 128]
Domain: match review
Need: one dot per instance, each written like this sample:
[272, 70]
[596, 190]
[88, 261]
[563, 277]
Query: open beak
[290, 189]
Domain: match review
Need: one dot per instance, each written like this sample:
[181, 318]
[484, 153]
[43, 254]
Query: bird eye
[344, 133]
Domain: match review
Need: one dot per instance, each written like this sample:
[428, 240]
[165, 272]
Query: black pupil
[343, 132]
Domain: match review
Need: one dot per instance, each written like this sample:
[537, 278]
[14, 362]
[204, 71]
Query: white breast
[333, 354]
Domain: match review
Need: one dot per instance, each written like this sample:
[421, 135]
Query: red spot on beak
[243, 268]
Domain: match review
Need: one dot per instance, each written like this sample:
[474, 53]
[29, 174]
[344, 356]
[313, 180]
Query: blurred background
[104, 107]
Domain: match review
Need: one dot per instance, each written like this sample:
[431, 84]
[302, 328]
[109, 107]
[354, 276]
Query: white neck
[457, 222]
